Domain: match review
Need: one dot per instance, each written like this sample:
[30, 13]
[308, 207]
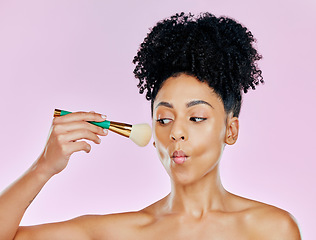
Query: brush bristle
[141, 134]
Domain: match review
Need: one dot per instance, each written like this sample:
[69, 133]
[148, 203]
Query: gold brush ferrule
[57, 113]
[121, 128]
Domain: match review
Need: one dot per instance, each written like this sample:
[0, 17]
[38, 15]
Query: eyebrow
[165, 104]
[189, 104]
[196, 102]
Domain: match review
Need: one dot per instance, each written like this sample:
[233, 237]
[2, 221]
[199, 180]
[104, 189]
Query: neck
[199, 197]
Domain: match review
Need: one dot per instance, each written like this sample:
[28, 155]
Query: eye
[164, 121]
[197, 119]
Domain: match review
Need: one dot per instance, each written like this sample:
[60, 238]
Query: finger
[80, 116]
[81, 125]
[81, 134]
[78, 146]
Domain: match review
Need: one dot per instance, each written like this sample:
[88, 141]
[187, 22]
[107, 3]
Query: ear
[154, 144]
[232, 131]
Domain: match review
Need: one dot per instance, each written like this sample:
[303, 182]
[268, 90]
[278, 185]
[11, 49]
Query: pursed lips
[179, 157]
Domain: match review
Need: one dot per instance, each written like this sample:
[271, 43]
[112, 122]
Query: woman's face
[189, 128]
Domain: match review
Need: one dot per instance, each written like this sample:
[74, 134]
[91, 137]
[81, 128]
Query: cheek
[163, 154]
[161, 140]
[208, 141]
[160, 134]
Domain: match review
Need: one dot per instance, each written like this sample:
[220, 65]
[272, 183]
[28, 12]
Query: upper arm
[77, 228]
[118, 226]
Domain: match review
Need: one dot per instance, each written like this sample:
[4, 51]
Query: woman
[193, 70]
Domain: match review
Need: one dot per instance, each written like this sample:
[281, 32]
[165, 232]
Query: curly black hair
[216, 50]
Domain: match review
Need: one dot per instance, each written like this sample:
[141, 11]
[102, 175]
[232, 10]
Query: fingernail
[99, 140]
[105, 131]
[103, 116]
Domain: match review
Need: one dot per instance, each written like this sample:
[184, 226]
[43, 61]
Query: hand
[63, 141]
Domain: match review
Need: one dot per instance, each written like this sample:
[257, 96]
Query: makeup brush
[138, 133]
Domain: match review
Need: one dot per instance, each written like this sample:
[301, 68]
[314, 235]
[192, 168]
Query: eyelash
[161, 120]
[193, 119]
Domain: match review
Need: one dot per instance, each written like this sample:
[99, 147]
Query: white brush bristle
[141, 134]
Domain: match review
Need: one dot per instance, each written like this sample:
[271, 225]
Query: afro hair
[215, 50]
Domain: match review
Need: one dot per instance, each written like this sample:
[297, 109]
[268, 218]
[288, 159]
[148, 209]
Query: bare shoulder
[115, 226]
[270, 222]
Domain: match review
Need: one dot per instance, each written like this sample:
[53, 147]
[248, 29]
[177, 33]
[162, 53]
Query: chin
[182, 178]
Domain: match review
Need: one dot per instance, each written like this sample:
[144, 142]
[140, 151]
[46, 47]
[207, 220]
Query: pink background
[76, 55]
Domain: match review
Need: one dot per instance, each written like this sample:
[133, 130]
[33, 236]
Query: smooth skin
[187, 116]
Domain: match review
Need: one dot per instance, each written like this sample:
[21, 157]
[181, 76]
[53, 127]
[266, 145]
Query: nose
[178, 132]
[175, 138]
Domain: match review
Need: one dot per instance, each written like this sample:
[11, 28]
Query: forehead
[184, 88]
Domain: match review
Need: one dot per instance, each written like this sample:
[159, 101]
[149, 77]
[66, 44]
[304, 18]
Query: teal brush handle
[105, 124]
